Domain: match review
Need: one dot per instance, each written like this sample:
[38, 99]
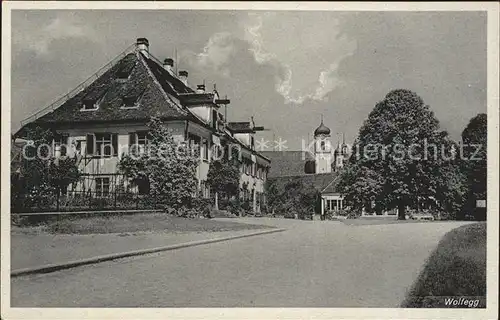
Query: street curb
[67, 265]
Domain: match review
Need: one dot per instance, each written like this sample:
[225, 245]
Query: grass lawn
[363, 221]
[457, 268]
[148, 222]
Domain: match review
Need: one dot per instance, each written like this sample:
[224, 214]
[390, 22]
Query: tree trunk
[401, 210]
[216, 201]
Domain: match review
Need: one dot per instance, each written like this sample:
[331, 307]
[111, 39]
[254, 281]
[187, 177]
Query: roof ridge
[150, 73]
[81, 86]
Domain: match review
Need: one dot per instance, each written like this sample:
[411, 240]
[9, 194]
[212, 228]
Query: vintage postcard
[249, 160]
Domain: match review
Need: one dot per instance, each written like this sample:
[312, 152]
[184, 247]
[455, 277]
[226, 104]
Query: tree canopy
[474, 159]
[292, 196]
[42, 174]
[399, 155]
[224, 176]
[168, 166]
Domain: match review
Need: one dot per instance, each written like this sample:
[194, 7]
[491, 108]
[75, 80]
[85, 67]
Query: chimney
[168, 64]
[142, 44]
[200, 88]
[183, 76]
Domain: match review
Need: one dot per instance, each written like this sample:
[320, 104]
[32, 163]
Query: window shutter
[114, 143]
[131, 138]
[90, 144]
[64, 144]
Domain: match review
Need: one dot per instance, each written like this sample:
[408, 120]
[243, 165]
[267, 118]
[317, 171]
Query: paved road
[312, 264]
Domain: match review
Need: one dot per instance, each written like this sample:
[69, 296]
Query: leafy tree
[168, 166]
[224, 178]
[41, 175]
[293, 196]
[397, 158]
[474, 159]
[360, 186]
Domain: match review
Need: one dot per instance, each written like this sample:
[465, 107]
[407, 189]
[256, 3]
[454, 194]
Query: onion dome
[322, 130]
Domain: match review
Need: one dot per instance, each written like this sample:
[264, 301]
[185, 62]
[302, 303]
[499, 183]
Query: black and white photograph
[249, 156]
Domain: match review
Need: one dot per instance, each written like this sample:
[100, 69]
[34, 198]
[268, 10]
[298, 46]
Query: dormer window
[90, 105]
[131, 101]
[93, 99]
[124, 72]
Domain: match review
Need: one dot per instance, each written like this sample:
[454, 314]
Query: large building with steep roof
[112, 108]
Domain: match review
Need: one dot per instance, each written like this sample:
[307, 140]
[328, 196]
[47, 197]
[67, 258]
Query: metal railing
[51, 107]
[86, 201]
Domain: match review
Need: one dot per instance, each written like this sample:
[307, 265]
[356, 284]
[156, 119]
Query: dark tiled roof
[112, 91]
[240, 126]
[197, 98]
[332, 186]
[135, 76]
[287, 163]
[170, 84]
[320, 181]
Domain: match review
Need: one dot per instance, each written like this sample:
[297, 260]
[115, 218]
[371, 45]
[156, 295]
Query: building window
[323, 145]
[333, 204]
[102, 144]
[247, 168]
[61, 144]
[138, 141]
[215, 118]
[93, 99]
[130, 103]
[90, 105]
[102, 187]
[204, 189]
[217, 152]
[194, 145]
[124, 72]
[205, 150]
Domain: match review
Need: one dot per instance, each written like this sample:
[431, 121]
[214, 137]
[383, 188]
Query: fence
[85, 201]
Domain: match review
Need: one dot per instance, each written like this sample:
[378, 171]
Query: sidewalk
[34, 250]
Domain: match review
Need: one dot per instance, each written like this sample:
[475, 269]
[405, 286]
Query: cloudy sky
[284, 68]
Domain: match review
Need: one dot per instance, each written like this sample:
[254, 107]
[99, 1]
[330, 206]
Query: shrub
[289, 215]
[186, 212]
[234, 206]
[353, 214]
[305, 214]
[169, 210]
[202, 206]
[40, 196]
[100, 203]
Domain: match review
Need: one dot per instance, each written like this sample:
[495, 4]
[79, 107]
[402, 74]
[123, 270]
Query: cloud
[253, 36]
[307, 48]
[39, 40]
[219, 49]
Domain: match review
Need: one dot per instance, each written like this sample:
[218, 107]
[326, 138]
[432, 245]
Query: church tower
[341, 154]
[322, 149]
